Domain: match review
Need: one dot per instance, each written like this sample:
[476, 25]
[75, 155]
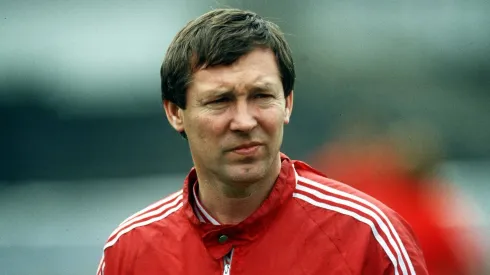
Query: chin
[250, 172]
[246, 174]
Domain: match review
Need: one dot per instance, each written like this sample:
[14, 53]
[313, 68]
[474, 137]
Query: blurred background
[392, 97]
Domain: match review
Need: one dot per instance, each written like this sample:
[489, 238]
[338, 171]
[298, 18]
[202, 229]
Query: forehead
[258, 67]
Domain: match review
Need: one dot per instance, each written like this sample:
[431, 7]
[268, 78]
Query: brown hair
[220, 37]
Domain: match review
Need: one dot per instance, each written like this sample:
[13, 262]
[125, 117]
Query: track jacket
[308, 225]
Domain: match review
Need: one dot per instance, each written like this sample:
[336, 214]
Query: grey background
[83, 138]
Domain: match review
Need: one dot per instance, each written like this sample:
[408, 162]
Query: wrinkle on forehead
[257, 70]
[261, 83]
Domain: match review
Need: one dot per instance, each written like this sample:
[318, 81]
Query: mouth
[247, 149]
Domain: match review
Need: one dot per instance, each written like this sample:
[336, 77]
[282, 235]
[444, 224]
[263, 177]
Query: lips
[247, 149]
[246, 146]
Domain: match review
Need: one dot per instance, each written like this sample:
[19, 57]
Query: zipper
[227, 263]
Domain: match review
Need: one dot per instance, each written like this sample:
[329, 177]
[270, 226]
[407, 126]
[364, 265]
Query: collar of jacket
[249, 229]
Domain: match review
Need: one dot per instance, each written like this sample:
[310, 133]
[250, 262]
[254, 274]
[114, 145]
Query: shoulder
[358, 221]
[160, 210]
[126, 241]
[321, 192]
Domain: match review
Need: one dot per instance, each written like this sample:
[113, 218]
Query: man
[246, 208]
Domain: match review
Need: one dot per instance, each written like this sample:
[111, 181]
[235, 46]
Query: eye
[220, 100]
[262, 95]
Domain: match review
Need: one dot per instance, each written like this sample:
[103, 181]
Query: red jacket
[308, 225]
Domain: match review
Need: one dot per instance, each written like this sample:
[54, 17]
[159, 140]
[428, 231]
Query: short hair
[221, 37]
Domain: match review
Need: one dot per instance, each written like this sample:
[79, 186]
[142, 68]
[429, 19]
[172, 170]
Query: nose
[243, 119]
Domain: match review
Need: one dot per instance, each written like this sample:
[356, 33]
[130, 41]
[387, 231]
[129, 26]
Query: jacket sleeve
[110, 263]
[407, 254]
[100, 267]
[117, 259]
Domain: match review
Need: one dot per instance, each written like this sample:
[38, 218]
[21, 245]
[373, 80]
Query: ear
[289, 107]
[175, 115]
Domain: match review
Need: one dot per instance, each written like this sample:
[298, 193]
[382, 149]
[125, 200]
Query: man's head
[227, 82]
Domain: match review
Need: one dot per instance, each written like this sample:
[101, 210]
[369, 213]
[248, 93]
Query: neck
[231, 202]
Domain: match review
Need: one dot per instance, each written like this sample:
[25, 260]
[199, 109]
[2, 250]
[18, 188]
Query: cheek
[272, 120]
[207, 128]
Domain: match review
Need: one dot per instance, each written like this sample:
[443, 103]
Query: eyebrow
[219, 93]
[214, 93]
[261, 86]
[224, 91]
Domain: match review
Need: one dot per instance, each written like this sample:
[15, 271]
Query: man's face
[234, 118]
